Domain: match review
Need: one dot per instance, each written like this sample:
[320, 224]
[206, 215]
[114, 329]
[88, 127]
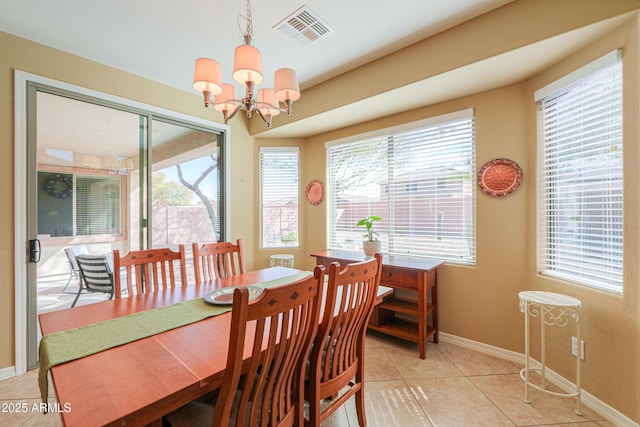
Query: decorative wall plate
[315, 192]
[499, 177]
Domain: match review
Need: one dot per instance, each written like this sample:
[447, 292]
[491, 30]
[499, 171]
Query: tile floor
[453, 386]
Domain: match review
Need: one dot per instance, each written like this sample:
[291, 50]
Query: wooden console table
[397, 315]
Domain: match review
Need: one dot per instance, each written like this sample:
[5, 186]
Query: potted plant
[372, 245]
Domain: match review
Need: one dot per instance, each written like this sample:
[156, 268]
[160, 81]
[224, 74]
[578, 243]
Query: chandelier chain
[248, 31]
[249, 19]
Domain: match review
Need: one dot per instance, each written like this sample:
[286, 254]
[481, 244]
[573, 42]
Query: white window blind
[420, 180]
[97, 205]
[580, 189]
[279, 194]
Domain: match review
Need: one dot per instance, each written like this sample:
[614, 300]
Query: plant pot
[370, 248]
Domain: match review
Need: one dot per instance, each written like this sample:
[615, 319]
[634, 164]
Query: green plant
[368, 223]
[289, 237]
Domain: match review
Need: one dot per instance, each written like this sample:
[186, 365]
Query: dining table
[139, 382]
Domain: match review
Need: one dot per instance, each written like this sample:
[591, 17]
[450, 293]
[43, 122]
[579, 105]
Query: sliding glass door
[104, 176]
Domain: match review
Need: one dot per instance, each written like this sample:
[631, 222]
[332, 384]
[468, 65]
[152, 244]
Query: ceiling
[161, 41]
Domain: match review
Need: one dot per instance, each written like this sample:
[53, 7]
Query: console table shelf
[411, 319]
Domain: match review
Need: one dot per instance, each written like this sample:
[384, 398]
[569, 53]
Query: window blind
[581, 179]
[97, 205]
[419, 179]
[279, 194]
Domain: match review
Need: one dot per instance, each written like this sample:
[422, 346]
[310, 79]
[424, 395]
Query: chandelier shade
[247, 65]
[207, 76]
[224, 100]
[286, 85]
[247, 70]
[267, 102]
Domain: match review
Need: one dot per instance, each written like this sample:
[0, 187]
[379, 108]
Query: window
[420, 179]
[97, 205]
[580, 191]
[279, 191]
[77, 205]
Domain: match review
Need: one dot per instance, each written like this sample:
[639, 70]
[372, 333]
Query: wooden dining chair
[217, 260]
[149, 270]
[95, 275]
[337, 356]
[267, 388]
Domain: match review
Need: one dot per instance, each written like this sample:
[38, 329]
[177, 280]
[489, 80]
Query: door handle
[35, 250]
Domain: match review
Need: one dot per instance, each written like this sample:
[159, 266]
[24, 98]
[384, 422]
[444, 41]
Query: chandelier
[247, 70]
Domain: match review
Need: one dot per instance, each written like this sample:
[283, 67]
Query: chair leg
[71, 276]
[77, 296]
[362, 417]
[314, 410]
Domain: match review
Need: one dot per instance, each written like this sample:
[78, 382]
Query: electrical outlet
[574, 347]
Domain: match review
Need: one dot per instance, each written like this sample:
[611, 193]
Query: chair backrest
[71, 257]
[149, 270]
[95, 273]
[337, 356]
[279, 326]
[217, 260]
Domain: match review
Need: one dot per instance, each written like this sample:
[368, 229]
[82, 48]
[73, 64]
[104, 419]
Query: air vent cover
[304, 26]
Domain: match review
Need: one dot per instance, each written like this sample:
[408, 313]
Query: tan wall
[479, 303]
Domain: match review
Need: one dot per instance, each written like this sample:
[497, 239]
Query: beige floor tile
[23, 386]
[456, 402]
[507, 393]
[586, 424]
[27, 412]
[379, 366]
[375, 339]
[389, 403]
[410, 366]
[473, 363]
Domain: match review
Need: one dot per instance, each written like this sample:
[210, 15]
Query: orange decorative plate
[499, 177]
[315, 192]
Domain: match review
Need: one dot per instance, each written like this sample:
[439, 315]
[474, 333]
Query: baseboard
[6, 373]
[607, 412]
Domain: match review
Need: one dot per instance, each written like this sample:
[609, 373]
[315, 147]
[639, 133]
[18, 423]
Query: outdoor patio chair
[95, 275]
[73, 267]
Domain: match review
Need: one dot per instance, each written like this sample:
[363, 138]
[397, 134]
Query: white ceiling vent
[304, 26]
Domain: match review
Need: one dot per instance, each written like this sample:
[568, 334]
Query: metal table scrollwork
[284, 260]
[553, 310]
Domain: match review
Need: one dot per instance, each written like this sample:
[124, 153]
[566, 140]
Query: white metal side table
[554, 310]
[285, 260]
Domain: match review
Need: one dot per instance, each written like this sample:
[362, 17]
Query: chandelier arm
[227, 116]
[269, 105]
[230, 101]
[267, 118]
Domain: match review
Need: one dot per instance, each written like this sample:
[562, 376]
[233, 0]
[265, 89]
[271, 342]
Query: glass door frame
[25, 273]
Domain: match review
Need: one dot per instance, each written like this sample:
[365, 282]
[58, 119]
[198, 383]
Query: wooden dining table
[139, 382]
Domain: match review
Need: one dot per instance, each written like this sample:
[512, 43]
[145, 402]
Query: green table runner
[65, 346]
